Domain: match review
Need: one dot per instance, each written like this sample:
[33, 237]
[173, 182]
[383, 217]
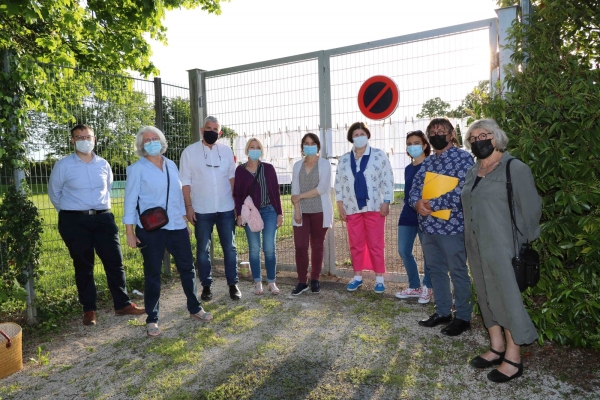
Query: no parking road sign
[378, 97]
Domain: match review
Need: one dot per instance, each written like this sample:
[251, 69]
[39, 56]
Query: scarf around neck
[360, 183]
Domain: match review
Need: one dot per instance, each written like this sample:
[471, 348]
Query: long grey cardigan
[490, 246]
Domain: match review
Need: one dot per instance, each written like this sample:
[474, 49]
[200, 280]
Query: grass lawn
[55, 286]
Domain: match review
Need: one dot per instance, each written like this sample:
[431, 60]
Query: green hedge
[552, 116]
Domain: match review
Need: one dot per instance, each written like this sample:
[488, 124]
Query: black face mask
[482, 149]
[210, 137]
[438, 142]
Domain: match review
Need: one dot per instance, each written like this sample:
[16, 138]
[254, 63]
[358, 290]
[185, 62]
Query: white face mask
[84, 146]
[360, 141]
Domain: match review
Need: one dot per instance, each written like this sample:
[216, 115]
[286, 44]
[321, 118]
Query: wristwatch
[386, 201]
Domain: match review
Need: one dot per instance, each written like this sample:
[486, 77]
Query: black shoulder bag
[155, 218]
[526, 261]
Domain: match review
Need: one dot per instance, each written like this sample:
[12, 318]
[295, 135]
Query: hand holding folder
[436, 185]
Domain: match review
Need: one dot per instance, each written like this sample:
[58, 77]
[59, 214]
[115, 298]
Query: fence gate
[278, 101]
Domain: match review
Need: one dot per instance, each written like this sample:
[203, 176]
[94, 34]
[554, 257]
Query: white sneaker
[426, 294]
[406, 293]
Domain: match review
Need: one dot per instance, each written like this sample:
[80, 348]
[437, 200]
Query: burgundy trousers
[311, 232]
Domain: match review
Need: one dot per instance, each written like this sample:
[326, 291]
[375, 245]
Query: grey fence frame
[500, 57]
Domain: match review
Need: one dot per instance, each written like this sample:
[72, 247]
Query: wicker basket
[11, 349]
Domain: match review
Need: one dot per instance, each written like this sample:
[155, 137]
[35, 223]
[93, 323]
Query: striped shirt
[262, 183]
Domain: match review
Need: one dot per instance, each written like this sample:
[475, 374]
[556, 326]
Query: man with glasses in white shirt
[207, 171]
[79, 188]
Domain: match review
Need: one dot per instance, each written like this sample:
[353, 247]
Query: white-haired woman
[258, 180]
[490, 245]
[153, 181]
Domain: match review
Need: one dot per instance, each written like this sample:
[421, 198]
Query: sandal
[152, 329]
[258, 290]
[273, 288]
[480, 362]
[202, 316]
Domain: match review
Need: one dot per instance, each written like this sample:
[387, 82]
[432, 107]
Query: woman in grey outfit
[491, 248]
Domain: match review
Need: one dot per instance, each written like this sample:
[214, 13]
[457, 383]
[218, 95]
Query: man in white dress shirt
[79, 188]
[207, 171]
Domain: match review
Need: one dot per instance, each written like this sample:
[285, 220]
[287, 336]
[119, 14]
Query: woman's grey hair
[490, 126]
[212, 119]
[139, 146]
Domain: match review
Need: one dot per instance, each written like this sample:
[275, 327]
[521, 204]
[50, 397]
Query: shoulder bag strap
[255, 179]
[168, 188]
[511, 207]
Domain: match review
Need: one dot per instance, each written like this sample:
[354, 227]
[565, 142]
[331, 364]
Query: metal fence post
[525, 18]
[159, 123]
[19, 176]
[197, 101]
[326, 135]
[494, 57]
[506, 16]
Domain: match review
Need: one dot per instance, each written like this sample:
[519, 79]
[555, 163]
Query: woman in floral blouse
[364, 188]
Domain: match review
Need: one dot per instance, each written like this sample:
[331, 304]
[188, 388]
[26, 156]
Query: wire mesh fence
[276, 105]
[116, 107]
[279, 101]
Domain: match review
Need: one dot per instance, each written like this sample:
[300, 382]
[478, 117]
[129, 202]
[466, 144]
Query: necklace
[485, 170]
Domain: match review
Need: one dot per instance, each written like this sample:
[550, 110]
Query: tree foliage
[433, 108]
[108, 34]
[552, 117]
[473, 103]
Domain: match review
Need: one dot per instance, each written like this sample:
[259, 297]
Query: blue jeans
[446, 254]
[225, 222]
[406, 240]
[269, 234]
[177, 243]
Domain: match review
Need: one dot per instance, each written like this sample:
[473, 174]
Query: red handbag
[155, 218]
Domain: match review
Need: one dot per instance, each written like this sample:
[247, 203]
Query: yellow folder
[436, 185]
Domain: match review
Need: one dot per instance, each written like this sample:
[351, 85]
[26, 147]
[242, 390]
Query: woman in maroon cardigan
[265, 195]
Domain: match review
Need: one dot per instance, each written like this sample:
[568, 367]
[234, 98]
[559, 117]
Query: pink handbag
[251, 214]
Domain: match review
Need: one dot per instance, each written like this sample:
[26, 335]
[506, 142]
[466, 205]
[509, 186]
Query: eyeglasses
[78, 138]
[481, 136]
[206, 159]
[441, 132]
[148, 140]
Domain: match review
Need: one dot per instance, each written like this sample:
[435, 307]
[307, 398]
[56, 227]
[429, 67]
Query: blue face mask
[309, 150]
[360, 141]
[415, 150]
[153, 148]
[254, 154]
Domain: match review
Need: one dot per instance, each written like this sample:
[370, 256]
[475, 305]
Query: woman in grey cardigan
[491, 248]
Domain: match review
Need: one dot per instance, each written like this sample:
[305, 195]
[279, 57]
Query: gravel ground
[332, 345]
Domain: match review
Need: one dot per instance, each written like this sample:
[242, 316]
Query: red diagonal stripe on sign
[387, 86]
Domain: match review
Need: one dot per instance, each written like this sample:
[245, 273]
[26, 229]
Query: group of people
[208, 190]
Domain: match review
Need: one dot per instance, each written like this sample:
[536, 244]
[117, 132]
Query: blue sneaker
[379, 288]
[353, 285]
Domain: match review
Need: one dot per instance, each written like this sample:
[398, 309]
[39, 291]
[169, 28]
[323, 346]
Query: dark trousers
[446, 254]
[312, 232]
[84, 234]
[177, 243]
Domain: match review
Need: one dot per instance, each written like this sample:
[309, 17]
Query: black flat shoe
[435, 320]
[498, 377]
[456, 327]
[206, 293]
[234, 292]
[480, 362]
[299, 289]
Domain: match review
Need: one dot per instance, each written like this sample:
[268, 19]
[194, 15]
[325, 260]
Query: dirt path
[333, 345]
